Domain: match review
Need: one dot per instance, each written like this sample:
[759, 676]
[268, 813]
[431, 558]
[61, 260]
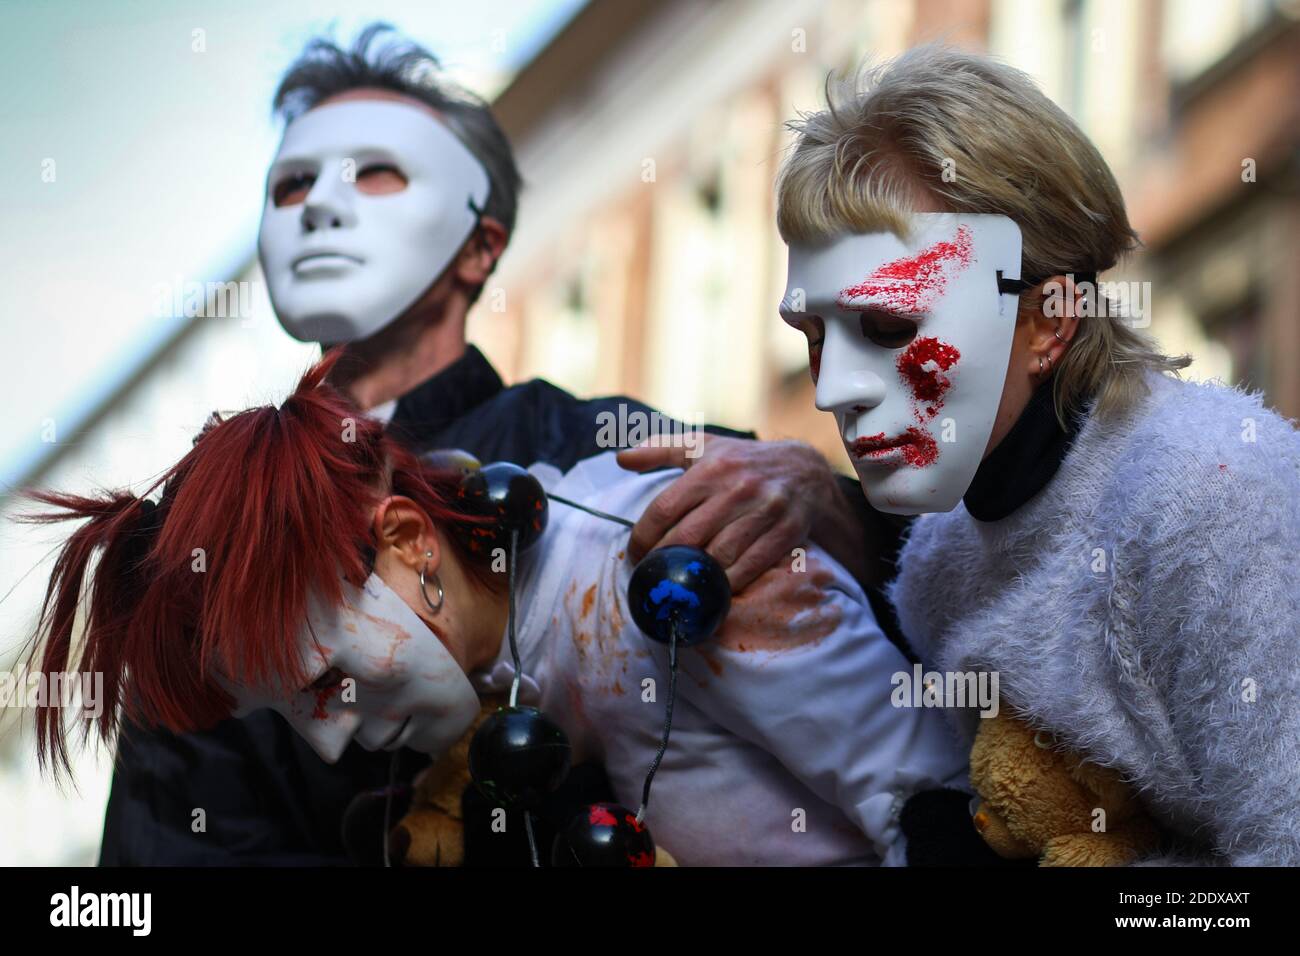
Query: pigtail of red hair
[120, 526]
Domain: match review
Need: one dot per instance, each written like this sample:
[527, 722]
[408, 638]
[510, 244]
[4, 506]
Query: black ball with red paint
[604, 834]
[513, 498]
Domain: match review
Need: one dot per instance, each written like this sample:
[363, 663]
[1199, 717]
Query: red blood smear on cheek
[321, 711]
[922, 366]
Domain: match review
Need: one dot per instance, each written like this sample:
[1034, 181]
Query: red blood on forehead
[911, 285]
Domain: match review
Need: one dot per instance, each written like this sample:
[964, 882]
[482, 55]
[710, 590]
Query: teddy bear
[432, 832]
[1039, 800]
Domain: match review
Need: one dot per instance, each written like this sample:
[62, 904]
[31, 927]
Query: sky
[136, 139]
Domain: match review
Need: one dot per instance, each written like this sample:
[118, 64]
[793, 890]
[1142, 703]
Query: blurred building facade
[646, 259]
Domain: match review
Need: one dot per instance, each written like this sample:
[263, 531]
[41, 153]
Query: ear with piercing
[434, 608]
[1046, 366]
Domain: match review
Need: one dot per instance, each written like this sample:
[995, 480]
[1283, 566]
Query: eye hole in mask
[292, 189]
[885, 329]
[378, 179]
[330, 679]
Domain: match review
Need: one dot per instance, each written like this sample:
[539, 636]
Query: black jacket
[265, 797]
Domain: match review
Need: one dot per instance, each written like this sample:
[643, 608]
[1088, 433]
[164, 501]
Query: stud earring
[434, 608]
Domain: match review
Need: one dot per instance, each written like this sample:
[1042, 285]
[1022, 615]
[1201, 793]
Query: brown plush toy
[433, 831]
[1038, 800]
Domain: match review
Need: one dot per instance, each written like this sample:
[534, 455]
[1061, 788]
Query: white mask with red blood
[376, 675]
[909, 342]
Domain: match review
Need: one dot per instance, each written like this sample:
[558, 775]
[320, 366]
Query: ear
[1053, 310]
[478, 257]
[403, 529]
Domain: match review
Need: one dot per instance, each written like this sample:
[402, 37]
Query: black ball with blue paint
[680, 586]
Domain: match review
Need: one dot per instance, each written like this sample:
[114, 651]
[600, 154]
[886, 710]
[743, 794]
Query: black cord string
[532, 839]
[514, 645]
[668, 720]
[514, 684]
[592, 511]
[672, 666]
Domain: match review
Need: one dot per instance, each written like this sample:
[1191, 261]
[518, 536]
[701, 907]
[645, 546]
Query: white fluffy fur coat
[1144, 607]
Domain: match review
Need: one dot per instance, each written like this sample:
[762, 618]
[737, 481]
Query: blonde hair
[1007, 149]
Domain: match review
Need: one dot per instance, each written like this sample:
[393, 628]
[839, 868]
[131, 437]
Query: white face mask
[344, 262]
[406, 691]
[917, 339]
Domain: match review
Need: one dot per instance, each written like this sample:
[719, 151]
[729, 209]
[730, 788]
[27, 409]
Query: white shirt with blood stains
[785, 747]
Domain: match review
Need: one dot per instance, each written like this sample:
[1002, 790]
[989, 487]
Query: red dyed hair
[280, 501]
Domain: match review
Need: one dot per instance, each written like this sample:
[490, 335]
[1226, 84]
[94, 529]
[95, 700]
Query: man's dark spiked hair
[325, 69]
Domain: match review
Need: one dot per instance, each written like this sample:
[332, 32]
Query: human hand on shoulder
[749, 504]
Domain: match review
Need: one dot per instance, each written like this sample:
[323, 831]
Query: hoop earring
[434, 608]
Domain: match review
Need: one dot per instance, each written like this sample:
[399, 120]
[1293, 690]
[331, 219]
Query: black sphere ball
[682, 585]
[604, 834]
[509, 495]
[518, 757]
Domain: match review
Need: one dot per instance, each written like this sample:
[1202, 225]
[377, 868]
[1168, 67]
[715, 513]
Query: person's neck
[396, 359]
[1025, 461]
[495, 618]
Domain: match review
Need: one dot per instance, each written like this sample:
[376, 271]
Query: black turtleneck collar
[446, 396]
[1024, 461]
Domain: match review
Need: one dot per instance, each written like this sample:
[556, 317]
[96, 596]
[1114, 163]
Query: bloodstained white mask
[344, 262]
[915, 343]
[384, 679]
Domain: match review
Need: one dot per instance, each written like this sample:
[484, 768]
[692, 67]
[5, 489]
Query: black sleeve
[538, 422]
[248, 792]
